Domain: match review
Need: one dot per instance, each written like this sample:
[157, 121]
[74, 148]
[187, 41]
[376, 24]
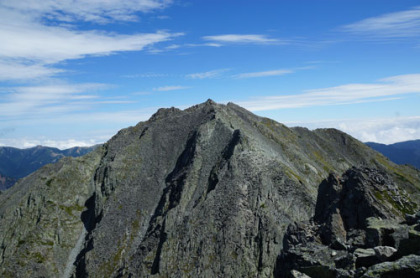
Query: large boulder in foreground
[358, 230]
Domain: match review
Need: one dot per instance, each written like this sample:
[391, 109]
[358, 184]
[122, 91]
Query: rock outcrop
[358, 230]
[204, 192]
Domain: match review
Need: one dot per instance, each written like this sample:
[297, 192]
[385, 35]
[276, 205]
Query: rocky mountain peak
[208, 191]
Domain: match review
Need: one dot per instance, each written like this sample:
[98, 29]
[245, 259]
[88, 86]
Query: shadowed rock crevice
[176, 179]
[162, 239]
[90, 220]
[226, 155]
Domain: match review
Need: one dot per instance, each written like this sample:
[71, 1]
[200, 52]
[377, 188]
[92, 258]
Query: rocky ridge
[204, 192]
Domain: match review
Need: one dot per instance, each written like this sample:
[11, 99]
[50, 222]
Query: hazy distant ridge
[407, 152]
[18, 163]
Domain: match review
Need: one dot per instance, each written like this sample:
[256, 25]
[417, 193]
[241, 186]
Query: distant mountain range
[407, 152]
[18, 163]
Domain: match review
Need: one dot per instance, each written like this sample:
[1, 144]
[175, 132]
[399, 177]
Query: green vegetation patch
[408, 207]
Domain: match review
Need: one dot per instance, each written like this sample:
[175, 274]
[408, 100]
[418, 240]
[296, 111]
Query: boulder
[296, 274]
[408, 266]
[365, 257]
[384, 253]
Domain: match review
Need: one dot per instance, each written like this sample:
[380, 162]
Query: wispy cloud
[263, 73]
[44, 99]
[94, 11]
[15, 71]
[38, 36]
[207, 74]
[146, 75]
[49, 45]
[31, 48]
[384, 89]
[242, 39]
[170, 88]
[391, 25]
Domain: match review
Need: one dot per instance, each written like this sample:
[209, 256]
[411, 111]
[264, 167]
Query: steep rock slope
[204, 192]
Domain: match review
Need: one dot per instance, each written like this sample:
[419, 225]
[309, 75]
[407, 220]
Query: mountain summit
[204, 192]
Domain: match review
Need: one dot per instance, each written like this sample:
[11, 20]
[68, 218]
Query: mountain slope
[18, 163]
[407, 152]
[204, 192]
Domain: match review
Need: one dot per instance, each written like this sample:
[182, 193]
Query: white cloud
[87, 10]
[46, 44]
[12, 70]
[45, 99]
[381, 130]
[242, 39]
[30, 47]
[385, 89]
[391, 25]
[207, 74]
[263, 73]
[170, 88]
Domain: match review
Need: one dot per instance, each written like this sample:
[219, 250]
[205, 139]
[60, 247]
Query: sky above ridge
[74, 72]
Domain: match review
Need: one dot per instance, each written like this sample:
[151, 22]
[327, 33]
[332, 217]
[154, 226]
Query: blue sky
[74, 72]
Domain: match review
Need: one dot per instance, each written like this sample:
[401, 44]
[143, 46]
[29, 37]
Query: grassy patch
[402, 209]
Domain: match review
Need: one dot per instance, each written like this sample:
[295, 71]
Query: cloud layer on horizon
[381, 130]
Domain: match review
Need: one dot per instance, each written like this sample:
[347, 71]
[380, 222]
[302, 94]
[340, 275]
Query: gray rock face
[204, 192]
